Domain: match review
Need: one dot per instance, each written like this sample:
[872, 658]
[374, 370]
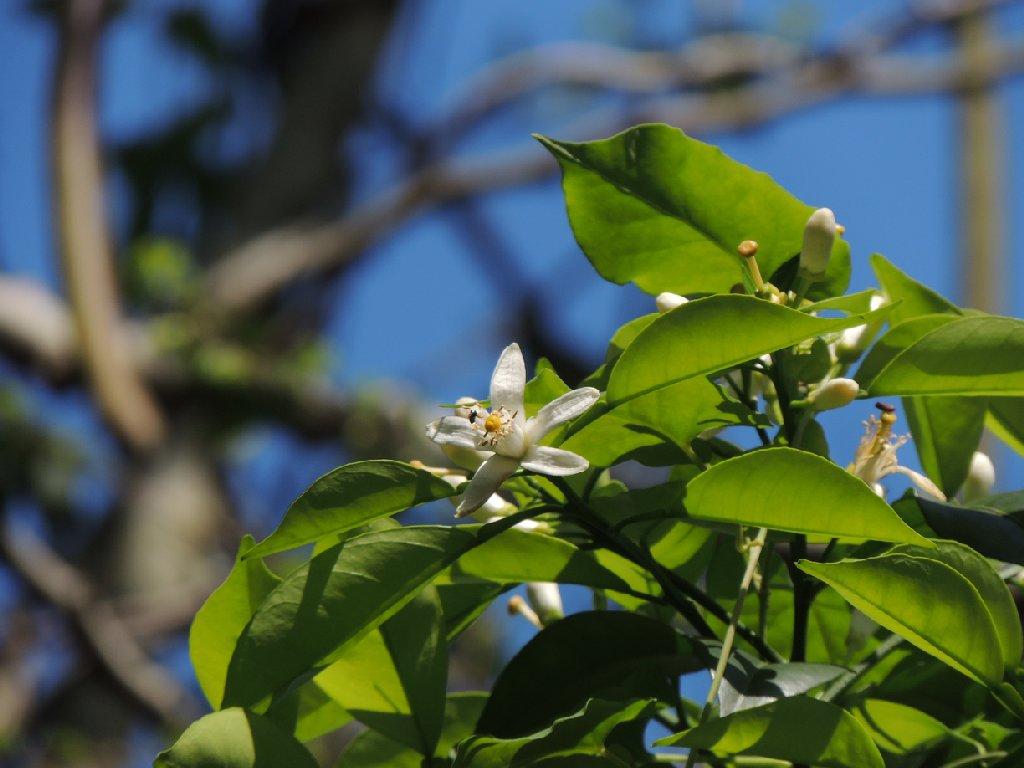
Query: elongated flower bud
[819, 236]
[834, 393]
[980, 478]
[667, 301]
[854, 341]
[546, 601]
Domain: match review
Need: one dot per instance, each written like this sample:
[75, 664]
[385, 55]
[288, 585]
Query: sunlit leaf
[797, 729]
[350, 496]
[790, 490]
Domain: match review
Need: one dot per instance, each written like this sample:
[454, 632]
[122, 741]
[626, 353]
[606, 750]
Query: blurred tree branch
[247, 276]
[91, 280]
[101, 630]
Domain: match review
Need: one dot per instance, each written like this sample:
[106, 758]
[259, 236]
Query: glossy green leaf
[759, 684]
[393, 680]
[655, 207]
[678, 413]
[307, 712]
[374, 750]
[222, 618]
[975, 355]
[946, 433]
[712, 335]
[797, 729]
[997, 536]
[582, 733]
[234, 738]
[464, 603]
[587, 655]
[991, 589]
[336, 598]
[894, 341]
[924, 601]
[897, 728]
[915, 299]
[790, 490]
[520, 556]
[544, 387]
[350, 496]
[1006, 419]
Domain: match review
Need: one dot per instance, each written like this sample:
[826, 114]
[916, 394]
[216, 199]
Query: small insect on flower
[473, 416]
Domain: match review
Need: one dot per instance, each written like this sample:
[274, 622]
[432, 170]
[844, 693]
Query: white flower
[819, 236]
[876, 457]
[508, 436]
[980, 478]
[667, 301]
[833, 393]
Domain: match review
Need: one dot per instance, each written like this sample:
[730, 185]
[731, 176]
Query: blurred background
[245, 241]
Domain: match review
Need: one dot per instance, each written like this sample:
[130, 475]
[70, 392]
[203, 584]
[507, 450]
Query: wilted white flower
[507, 436]
[819, 236]
[667, 301]
[876, 457]
[981, 477]
[834, 393]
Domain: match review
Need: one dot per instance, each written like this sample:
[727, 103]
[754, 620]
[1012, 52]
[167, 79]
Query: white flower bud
[819, 236]
[980, 478]
[854, 341]
[546, 601]
[464, 405]
[834, 393]
[667, 301]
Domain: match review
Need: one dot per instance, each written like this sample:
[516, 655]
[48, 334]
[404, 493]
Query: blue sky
[418, 310]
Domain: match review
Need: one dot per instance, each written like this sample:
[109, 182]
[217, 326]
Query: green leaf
[797, 729]
[790, 490]
[374, 750]
[947, 431]
[976, 355]
[924, 601]
[519, 556]
[991, 589]
[339, 596]
[712, 335]
[585, 655]
[754, 685]
[544, 387]
[915, 299]
[1006, 419]
[898, 338]
[307, 712]
[350, 496]
[677, 413]
[997, 536]
[463, 604]
[393, 680]
[582, 733]
[897, 728]
[234, 738]
[222, 618]
[653, 206]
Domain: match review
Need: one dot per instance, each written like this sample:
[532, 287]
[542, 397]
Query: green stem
[753, 557]
[975, 759]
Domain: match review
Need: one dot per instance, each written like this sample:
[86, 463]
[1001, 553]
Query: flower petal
[560, 410]
[454, 430]
[487, 480]
[919, 480]
[508, 380]
[553, 461]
